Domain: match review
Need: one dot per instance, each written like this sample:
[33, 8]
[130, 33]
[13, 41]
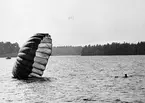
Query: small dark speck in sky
[71, 18]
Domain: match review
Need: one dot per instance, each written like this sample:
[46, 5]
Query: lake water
[78, 79]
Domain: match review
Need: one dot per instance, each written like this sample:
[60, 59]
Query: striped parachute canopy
[33, 57]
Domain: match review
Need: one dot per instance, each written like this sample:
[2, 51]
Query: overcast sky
[73, 22]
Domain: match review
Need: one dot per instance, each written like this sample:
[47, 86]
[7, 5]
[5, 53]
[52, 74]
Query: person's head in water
[125, 76]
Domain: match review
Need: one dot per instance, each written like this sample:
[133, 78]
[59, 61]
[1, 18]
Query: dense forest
[9, 49]
[115, 49]
[67, 50]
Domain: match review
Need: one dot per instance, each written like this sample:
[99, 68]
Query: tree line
[11, 49]
[67, 50]
[8, 48]
[115, 49]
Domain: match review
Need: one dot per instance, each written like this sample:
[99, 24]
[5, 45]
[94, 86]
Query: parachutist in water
[125, 76]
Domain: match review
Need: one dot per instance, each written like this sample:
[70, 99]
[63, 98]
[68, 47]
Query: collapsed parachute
[33, 57]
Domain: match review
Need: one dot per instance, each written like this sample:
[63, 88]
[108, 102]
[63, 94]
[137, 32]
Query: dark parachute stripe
[26, 67]
[34, 39]
[23, 71]
[28, 50]
[15, 71]
[43, 34]
[25, 62]
[33, 56]
[26, 56]
[31, 44]
[40, 60]
[40, 35]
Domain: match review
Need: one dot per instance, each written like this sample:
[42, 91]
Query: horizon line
[103, 43]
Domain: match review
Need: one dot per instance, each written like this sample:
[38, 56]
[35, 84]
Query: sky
[73, 22]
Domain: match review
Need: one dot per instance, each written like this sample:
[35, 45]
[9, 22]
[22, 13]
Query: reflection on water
[76, 79]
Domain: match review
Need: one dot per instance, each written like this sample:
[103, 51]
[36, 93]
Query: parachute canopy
[33, 57]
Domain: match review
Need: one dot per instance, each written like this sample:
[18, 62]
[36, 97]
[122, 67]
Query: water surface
[78, 79]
